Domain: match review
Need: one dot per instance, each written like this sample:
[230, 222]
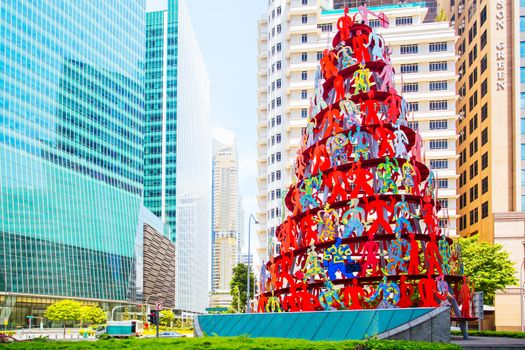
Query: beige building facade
[491, 129]
[226, 235]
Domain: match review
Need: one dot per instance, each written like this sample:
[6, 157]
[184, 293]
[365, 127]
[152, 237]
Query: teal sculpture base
[423, 324]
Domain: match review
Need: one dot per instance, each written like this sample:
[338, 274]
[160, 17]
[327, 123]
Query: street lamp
[248, 274]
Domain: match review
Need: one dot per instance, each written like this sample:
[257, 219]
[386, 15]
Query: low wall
[425, 324]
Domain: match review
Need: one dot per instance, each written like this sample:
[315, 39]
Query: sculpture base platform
[422, 324]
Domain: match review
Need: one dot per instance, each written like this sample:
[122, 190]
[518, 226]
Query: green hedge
[232, 343]
[493, 334]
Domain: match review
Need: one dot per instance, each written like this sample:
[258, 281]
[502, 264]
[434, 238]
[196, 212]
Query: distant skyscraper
[291, 39]
[226, 210]
[177, 146]
[71, 134]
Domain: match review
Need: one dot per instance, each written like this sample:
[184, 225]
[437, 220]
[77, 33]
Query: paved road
[489, 343]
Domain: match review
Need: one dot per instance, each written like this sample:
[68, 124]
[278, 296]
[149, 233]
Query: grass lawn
[228, 343]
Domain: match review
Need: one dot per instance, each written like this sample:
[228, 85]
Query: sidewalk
[487, 343]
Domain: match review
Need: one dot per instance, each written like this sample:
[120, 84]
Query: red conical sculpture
[362, 230]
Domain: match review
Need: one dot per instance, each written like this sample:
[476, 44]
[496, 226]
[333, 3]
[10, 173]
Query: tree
[92, 314]
[63, 311]
[488, 266]
[240, 273]
[441, 16]
[167, 317]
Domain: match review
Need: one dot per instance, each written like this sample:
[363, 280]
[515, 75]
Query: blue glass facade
[160, 148]
[71, 147]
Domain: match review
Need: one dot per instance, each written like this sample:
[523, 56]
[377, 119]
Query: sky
[227, 35]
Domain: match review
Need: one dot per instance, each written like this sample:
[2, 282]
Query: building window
[473, 123]
[278, 193]
[438, 85]
[485, 185]
[278, 175]
[437, 66]
[442, 183]
[443, 203]
[278, 47]
[304, 57]
[278, 101]
[483, 64]
[409, 68]
[483, 40]
[439, 124]
[484, 136]
[305, 2]
[483, 16]
[484, 112]
[439, 163]
[403, 21]
[410, 87]
[278, 138]
[325, 27]
[278, 64]
[278, 28]
[374, 23]
[413, 106]
[278, 120]
[409, 49]
[273, 140]
[278, 156]
[473, 147]
[473, 170]
[474, 216]
[473, 101]
[473, 31]
[304, 113]
[278, 83]
[304, 75]
[304, 94]
[484, 88]
[484, 160]
[473, 78]
[413, 125]
[472, 54]
[273, 158]
[437, 47]
[484, 210]
[439, 144]
[304, 38]
[279, 11]
[319, 55]
[304, 19]
[438, 105]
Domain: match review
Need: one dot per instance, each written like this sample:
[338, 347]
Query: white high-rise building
[291, 39]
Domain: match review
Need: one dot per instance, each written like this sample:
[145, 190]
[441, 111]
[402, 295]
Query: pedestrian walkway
[488, 343]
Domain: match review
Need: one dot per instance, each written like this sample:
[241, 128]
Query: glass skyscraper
[177, 149]
[71, 149]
